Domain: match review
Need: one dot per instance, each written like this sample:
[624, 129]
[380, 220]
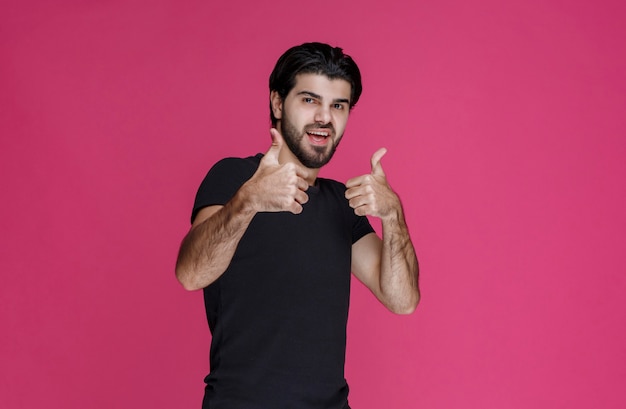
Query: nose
[322, 114]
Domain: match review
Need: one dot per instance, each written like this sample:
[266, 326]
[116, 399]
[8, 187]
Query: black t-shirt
[278, 313]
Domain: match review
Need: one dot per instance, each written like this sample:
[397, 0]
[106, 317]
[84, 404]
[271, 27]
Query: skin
[315, 105]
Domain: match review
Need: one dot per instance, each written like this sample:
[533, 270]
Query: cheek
[340, 125]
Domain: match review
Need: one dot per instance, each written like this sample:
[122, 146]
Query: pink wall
[505, 124]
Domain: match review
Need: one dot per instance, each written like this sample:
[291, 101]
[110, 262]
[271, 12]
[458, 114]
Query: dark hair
[314, 58]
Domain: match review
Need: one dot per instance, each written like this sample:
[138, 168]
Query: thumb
[377, 168]
[277, 144]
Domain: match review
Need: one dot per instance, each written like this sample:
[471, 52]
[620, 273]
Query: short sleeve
[224, 180]
[361, 227]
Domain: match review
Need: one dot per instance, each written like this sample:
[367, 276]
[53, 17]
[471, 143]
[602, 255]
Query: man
[273, 245]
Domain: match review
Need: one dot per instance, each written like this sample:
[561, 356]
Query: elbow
[185, 279]
[408, 307]
[189, 286]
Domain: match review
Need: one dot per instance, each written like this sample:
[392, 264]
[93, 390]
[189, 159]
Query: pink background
[505, 124]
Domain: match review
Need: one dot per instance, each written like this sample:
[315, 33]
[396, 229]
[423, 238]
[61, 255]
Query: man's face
[313, 117]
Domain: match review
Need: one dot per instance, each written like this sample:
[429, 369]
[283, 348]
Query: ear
[276, 103]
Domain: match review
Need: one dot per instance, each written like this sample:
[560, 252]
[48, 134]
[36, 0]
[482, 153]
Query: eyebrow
[314, 95]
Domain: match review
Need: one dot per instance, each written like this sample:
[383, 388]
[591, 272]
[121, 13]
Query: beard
[320, 155]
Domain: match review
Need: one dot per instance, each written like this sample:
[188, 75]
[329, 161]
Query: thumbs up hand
[370, 194]
[271, 156]
[277, 187]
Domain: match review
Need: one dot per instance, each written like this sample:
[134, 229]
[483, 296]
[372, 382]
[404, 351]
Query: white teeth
[324, 134]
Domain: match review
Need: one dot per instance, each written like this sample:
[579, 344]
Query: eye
[339, 106]
[308, 100]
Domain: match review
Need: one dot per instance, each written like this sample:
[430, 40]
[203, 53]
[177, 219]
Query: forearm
[208, 248]
[399, 269]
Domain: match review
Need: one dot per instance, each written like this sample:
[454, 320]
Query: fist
[278, 187]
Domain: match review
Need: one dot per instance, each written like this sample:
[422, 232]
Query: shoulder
[223, 180]
[233, 169]
[233, 164]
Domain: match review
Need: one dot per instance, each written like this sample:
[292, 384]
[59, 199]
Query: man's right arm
[208, 248]
[211, 242]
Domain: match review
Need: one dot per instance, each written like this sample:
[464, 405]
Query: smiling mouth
[318, 137]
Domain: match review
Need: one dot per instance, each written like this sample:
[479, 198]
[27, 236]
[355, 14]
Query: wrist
[395, 216]
[244, 202]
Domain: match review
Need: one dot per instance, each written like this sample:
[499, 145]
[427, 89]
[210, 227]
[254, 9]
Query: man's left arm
[388, 267]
